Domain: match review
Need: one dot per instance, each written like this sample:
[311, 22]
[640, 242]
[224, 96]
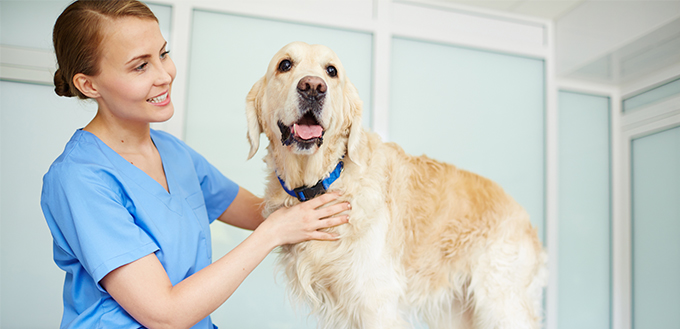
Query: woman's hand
[304, 221]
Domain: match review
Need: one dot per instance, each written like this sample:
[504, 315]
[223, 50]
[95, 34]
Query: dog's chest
[361, 257]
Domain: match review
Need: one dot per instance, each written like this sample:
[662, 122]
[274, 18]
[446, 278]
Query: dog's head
[304, 103]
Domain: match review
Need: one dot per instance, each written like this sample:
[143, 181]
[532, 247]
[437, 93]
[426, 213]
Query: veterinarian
[129, 207]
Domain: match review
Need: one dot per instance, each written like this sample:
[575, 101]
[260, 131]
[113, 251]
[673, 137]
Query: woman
[129, 208]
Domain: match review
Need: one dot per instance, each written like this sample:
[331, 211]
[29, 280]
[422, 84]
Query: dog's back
[463, 243]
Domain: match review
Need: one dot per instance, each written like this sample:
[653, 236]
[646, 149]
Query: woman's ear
[253, 111]
[86, 85]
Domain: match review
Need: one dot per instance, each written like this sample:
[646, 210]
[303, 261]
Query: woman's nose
[166, 72]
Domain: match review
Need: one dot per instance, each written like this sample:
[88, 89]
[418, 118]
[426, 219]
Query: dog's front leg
[370, 293]
[375, 305]
[384, 317]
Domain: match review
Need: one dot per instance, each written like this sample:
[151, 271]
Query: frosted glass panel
[656, 230]
[35, 125]
[478, 110]
[164, 15]
[654, 95]
[30, 23]
[229, 54]
[584, 217]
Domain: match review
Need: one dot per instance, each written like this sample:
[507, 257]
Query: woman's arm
[144, 290]
[245, 211]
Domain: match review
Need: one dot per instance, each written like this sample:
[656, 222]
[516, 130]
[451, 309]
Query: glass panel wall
[584, 212]
[29, 23]
[651, 96]
[35, 125]
[478, 110]
[35, 20]
[164, 15]
[656, 229]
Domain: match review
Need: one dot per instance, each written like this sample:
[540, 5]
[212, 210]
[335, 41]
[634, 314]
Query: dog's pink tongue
[308, 132]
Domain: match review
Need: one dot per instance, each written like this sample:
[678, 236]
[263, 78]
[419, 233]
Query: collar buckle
[307, 193]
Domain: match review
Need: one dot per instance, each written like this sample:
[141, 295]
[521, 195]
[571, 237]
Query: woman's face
[135, 72]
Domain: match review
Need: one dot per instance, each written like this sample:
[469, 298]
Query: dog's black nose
[311, 87]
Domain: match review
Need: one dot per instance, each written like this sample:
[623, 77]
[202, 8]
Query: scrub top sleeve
[92, 221]
[218, 191]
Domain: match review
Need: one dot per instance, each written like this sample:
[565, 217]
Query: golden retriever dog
[425, 240]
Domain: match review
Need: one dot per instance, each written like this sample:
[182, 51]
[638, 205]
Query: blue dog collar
[307, 193]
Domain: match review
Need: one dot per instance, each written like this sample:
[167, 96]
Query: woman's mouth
[162, 99]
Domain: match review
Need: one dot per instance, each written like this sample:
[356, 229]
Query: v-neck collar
[138, 176]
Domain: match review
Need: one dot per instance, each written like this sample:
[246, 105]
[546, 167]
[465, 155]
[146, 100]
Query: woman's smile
[160, 100]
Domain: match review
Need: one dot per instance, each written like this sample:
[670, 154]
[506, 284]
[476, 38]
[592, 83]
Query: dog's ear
[353, 109]
[253, 110]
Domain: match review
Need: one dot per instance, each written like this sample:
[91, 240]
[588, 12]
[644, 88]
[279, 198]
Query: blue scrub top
[104, 212]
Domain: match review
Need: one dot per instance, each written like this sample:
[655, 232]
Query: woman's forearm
[145, 291]
[245, 211]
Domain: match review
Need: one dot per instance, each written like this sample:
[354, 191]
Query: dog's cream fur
[425, 238]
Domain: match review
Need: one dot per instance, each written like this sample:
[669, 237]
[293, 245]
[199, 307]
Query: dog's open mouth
[306, 132]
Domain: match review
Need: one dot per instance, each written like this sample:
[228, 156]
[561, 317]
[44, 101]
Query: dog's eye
[332, 71]
[285, 65]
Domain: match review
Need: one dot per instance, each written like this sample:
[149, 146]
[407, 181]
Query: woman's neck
[122, 137]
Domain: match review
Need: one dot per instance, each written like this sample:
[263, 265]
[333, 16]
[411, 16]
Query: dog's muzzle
[307, 131]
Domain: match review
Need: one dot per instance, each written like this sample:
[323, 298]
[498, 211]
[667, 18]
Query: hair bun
[61, 86]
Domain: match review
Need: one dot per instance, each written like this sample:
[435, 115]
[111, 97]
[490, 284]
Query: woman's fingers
[307, 220]
[333, 210]
[333, 221]
[329, 222]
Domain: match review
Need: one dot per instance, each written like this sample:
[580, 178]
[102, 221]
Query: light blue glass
[29, 23]
[164, 15]
[35, 125]
[651, 96]
[584, 212]
[478, 110]
[656, 230]
[229, 53]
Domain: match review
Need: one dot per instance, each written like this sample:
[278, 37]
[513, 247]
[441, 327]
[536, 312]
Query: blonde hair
[77, 38]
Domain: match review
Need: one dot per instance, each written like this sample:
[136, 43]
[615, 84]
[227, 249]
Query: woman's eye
[332, 71]
[285, 65]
